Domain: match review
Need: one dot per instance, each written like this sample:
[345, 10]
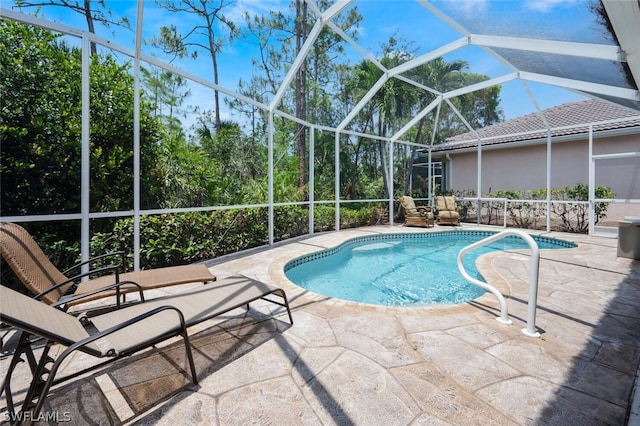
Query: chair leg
[39, 387]
[43, 386]
[286, 305]
[22, 347]
[192, 365]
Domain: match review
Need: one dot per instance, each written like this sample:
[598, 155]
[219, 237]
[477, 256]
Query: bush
[572, 210]
[575, 216]
[177, 239]
[523, 214]
[465, 208]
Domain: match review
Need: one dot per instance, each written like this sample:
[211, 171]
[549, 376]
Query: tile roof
[570, 114]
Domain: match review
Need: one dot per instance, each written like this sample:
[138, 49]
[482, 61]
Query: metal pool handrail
[530, 330]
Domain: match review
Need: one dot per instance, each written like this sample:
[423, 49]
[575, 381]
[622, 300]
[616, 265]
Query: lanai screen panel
[580, 23]
[529, 19]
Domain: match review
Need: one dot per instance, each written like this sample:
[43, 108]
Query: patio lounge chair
[120, 333]
[55, 287]
[415, 216]
[447, 210]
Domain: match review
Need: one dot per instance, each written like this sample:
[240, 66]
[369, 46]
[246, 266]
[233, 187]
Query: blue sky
[406, 20]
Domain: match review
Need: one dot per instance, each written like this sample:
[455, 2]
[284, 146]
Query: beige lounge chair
[415, 216]
[447, 210]
[119, 333]
[56, 287]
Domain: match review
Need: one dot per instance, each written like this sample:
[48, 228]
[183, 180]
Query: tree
[40, 123]
[397, 101]
[439, 75]
[388, 106]
[205, 36]
[91, 15]
[40, 130]
[187, 176]
[301, 33]
[313, 79]
[166, 93]
[239, 161]
[268, 68]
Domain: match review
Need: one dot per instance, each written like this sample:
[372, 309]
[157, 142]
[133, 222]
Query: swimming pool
[401, 269]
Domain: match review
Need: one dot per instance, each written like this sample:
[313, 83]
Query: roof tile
[569, 114]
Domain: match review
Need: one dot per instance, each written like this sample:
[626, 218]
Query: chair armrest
[74, 279]
[94, 259]
[116, 286]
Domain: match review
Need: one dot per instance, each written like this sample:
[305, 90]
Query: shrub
[575, 216]
[465, 208]
[572, 210]
[176, 239]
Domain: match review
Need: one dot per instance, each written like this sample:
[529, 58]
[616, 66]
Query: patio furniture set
[445, 213]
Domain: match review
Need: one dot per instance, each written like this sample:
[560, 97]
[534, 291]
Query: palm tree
[441, 76]
[397, 100]
[391, 105]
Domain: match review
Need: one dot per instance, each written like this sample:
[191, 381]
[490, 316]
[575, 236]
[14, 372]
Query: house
[513, 154]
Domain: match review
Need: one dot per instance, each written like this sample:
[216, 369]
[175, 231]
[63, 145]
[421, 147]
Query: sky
[406, 20]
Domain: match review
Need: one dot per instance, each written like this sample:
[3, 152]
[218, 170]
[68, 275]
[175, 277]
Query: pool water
[402, 269]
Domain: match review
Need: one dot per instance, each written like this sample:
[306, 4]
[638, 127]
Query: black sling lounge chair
[120, 333]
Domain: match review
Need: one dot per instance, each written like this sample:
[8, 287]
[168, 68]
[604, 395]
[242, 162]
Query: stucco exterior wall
[622, 175]
[525, 167]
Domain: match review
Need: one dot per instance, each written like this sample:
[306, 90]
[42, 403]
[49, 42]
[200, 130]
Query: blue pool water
[402, 269]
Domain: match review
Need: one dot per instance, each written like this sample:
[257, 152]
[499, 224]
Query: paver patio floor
[347, 363]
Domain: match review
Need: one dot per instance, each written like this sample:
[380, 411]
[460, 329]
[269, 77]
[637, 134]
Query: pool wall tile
[414, 236]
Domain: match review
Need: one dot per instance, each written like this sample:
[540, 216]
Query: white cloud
[470, 7]
[546, 6]
[237, 10]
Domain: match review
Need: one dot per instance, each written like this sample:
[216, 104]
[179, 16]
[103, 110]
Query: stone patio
[347, 363]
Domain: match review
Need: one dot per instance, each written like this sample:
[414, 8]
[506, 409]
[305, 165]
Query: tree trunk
[383, 160]
[90, 26]
[300, 90]
[407, 180]
[216, 94]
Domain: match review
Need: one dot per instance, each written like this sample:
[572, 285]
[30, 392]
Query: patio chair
[415, 216]
[119, 333]
[58, 288]
[447, 210]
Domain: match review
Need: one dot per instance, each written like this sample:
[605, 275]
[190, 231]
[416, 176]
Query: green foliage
[325, 217]
[353, 216]
[575, 216]
[166, 93]
[219, 164]
[40, 123]
[290, 221]
[187, 177]
[40, 127]
[176, 239]
[58, 240]
[521, 214]
[569, 205]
